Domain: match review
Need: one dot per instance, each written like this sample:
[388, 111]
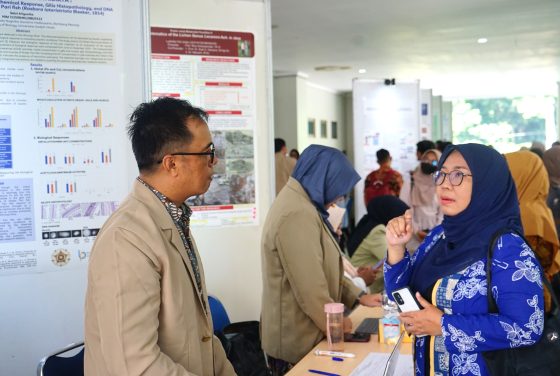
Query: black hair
[425, 145]
[382, 156]
[159, 126]
[279, 143]
[296, 152]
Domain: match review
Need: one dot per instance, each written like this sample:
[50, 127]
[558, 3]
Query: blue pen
[323, 372]
[336, 359]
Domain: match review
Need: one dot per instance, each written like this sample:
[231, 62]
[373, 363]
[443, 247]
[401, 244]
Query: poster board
[385, 116]
[215, 70]
[70, 74]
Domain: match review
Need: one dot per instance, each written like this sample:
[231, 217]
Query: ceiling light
[332, 68]
[362, 71]
[482, 40]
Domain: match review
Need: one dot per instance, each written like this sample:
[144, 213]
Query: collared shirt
[181, 216]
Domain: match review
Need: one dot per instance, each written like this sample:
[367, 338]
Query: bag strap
[492, 307]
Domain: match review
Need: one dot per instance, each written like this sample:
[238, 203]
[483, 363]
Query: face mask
[428, 168]
[336, 214]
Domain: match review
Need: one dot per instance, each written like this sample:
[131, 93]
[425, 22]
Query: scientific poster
[62, 119]
[385, 117]
[215, 70]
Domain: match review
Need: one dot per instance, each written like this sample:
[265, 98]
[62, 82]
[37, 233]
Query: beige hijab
[424, 189]
[531, 181]
[551, 160]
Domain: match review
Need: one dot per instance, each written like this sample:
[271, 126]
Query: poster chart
[215, 70]
[385, 117]
[62, 135]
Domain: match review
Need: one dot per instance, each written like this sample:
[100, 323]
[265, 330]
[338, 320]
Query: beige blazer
[143, 313]
[284, 166]
[302, 270]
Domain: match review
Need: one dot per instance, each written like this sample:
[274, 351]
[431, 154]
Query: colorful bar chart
[74, 114]
[98, 120]
[49, 121]
[71, 187]
[106, 157]
[50, 159]
[68, 187]
[69, 159]
[52, 187]
[74, 118]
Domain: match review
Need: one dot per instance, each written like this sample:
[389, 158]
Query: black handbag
[542, 358]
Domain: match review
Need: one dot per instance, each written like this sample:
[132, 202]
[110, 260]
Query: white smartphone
[405, 299]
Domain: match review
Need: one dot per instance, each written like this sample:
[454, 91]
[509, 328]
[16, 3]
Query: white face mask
[336, 214]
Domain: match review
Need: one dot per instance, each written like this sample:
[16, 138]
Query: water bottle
[390, 326]
[335, 326]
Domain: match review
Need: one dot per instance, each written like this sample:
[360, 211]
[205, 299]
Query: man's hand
[368, 274]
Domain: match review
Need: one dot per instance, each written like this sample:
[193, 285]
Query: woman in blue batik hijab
[448, 271]
[302, 266]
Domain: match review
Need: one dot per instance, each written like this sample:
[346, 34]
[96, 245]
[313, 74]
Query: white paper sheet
[375, 362]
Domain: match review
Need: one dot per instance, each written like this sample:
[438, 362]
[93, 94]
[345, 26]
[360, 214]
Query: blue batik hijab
[493, 207]
[325, 174]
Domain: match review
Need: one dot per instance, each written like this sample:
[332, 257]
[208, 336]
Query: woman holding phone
[448, 271]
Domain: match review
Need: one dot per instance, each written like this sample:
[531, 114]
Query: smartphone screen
[356, 337]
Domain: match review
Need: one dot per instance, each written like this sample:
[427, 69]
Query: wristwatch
[357, 302]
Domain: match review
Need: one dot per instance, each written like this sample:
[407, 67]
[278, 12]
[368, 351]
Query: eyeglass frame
[438, 173]
[211, 153]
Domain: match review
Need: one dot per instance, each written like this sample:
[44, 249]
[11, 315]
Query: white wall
[231, 255]
[285, 110]
[309, 101]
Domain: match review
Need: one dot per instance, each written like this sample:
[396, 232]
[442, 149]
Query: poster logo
[60, 257]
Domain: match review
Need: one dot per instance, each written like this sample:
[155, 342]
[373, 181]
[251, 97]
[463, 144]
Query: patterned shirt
[468, 329]
[181, 216]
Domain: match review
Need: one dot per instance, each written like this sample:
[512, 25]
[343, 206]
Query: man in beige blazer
[147, 309]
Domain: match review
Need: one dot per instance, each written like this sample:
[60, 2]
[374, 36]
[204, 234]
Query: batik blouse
[468, 329]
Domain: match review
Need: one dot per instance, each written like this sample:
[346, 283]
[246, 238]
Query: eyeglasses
[211, 152]
[455, 177]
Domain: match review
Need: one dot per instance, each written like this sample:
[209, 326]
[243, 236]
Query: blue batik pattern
[468, 329]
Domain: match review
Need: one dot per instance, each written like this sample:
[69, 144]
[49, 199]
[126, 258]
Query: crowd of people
[147, 309]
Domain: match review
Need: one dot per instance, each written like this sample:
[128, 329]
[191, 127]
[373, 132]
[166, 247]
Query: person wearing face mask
[302, 264]
[447, 273]
[419, 192]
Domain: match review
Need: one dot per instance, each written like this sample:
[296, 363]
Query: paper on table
[377, 361]
[336, 214]
[371, 364]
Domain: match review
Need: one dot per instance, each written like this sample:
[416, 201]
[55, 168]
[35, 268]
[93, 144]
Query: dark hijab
[493, 206]
[325, 174]
[380, 210]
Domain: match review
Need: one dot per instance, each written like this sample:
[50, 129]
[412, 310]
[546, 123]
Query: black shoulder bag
[542, 358]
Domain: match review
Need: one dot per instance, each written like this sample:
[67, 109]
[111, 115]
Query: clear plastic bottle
[335, 326]
[390, 323]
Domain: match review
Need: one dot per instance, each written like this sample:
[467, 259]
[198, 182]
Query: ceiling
[434, 41]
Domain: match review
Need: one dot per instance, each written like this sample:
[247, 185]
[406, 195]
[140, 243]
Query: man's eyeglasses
[455, 177]
[211, 152]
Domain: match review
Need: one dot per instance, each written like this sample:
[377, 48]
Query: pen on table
[323, 372]
[336, 359]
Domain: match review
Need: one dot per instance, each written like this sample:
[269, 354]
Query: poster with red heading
[215, 70]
